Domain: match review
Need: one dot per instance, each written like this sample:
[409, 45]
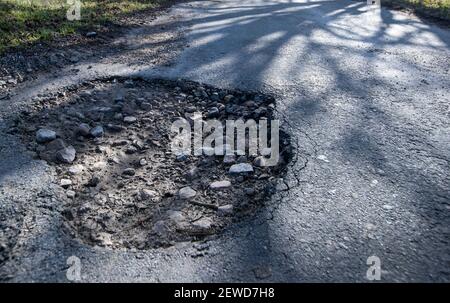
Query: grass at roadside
[439, 9]
[26, 21]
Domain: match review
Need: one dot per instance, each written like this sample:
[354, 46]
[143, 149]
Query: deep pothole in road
[110, 142]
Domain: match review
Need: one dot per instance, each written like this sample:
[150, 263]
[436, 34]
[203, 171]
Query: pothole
[122, 185]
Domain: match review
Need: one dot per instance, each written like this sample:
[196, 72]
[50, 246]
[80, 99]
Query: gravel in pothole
[110, 143]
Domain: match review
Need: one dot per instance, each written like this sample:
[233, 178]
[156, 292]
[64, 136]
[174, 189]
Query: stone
[202, 246]
[45, 135]
[141, 205]
[65, 183]
[220, 184]
[49, 151]
[215, 96]
[388, 207]
[70, 194]
[129, 119]
[115, 160]
[97, 131]
[204, 225]
[229, 159]
[225, 210]
[75, 169]
[259, 161]
[91, 34]
[66, 155]
[83, 129]
[143, 162]
[129, 171]
[138, 144]
[186, 193]
[263, 176]
[146, 194]
[213, 112]
[241, 168]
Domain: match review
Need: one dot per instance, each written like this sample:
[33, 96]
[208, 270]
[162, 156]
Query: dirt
[123, 187]
[133, 39]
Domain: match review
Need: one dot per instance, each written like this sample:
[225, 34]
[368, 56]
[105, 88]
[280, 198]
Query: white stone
[76, 169]
[220, 184]
[229, 159]
[225, 210]
[203, 224]
[70, 194]
[129, 119]
[65, 183]
[241, 168]
[187, 193]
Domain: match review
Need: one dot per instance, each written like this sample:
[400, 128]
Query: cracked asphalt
[364, 94]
